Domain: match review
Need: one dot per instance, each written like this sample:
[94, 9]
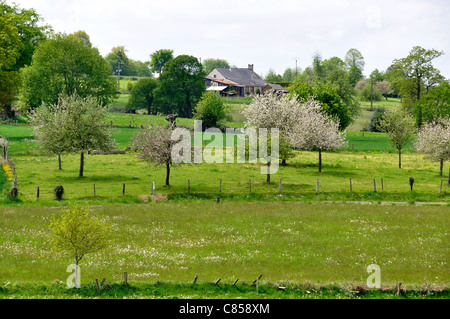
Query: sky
[266, 33]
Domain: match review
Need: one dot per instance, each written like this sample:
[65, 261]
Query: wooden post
[217, 281]
[123, 189]
[279, 185]
[398, 288]
[98, 287]
[351, 185]
[37, 192]
[103, 282]
[234, 284]
[257, 285]
[125, 278]
[382, 186]
[195, 278]
[94, 189]
[374, 185]
[317, 185]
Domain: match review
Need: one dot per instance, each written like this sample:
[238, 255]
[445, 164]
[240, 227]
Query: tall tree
[272, 76]
[416, 75]
[119, 55]
[10, 46]
[211, 64]
[20, 34]
[436, 102]
[158, 59]
[66, 65]
[355, 63]
[142, 96]
[182, 83]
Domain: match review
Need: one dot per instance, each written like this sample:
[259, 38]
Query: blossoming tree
[434, 140]
[313, 130]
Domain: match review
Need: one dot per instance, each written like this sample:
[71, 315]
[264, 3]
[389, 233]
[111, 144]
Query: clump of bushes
[377, 116]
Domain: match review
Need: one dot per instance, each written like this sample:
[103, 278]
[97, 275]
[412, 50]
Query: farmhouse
[237, 82]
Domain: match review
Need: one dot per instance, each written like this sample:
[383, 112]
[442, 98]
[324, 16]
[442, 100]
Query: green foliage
[374, 124]
[435, 103]
[77, 232]
[142, 96]
[366, 93]
[67, 66]
[211, 64]
[211, 110]
[414, 76]
[182, 84]
[158, 59]
[327, 95]
[273, 77]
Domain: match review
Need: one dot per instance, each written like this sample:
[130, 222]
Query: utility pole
[295, 68]
[118, 73]
[371, 93]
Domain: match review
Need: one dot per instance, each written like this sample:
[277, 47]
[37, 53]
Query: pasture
[288, 243]
[305, 239]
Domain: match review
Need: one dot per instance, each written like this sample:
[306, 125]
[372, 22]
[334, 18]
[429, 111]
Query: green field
[286, 242]
[308, 241]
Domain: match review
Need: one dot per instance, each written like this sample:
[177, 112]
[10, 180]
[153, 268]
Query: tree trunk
[59, 161]
[400, 158]
[283, 162]
[320, 161]
[441, 170]
[81, 164]
[268, 172]
[167, 173]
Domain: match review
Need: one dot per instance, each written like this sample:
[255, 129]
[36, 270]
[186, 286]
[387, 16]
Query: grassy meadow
[310, 242]
[286, 242]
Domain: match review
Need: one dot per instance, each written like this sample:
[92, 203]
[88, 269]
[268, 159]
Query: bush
[377, 115]
[129, 86]
[211, 110]
[59, 192]
[365, 92]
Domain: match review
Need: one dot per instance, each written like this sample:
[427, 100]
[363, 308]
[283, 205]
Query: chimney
[250, 67]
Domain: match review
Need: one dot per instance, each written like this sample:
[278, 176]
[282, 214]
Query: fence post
[37, 192]
[94, 189]
[382, 185]
[123, 190]
[279, 185]
[374, 185]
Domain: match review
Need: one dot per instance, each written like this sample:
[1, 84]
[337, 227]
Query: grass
[284, 242]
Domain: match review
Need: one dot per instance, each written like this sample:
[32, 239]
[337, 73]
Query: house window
[215, 76]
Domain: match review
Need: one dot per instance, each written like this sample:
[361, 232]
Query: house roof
[277, 87]
[244, 77]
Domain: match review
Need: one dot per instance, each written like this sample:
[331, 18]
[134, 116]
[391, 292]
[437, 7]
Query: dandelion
[8, 172]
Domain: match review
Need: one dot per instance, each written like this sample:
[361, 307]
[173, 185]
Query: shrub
[373, 125]
[59, 192]
[211, 110]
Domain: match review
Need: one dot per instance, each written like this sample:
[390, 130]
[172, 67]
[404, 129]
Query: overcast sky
[266, 33]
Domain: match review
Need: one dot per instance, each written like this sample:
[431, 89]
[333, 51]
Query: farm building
[237, 82]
